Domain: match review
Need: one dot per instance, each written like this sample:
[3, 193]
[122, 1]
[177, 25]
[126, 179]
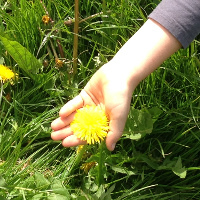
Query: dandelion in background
[6, 74]
[90, 124]
[45, 19]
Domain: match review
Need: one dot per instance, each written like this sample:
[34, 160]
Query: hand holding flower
[111, 87]
[99, 91]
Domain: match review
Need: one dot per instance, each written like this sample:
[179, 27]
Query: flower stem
[100, 174]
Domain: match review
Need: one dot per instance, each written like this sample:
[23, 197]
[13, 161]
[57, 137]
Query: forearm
[144, 52]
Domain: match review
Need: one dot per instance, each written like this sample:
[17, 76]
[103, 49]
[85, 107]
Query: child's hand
[113, 84]
[112, 92]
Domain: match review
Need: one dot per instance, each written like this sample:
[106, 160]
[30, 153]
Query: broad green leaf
[135, 136]
[58, 197]
[22, 56]
[28, 183]
[139, 123]
[100, 191]
[2, 198]
[179, 170]
[38, 196]
[61, 191]
[107, 195]
[155, 113]
[123, 170]
[2, 182]
[175, 166]
[167, 164]
[56, 184]
[81, 198]
[58, 188]
[41, 182]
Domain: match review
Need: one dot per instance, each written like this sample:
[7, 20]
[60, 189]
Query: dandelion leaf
[28, 183]
[58, 188]
[41, 182]
[57, 197]
[100, 191]
[175, 165]
[2, 198]
[155, 113]
[107, 195]
[38, 196]
[81, 198]
[139, 123]
[123, 170]
[178, 169]
[2, 182]
[22, 56]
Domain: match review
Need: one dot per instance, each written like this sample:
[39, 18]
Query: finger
[87, 99]
[78, 102]
[61, 134]
[116, 130]
[71, 106]
[60, 123]
[72, 141]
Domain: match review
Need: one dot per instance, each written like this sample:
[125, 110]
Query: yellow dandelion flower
[45, 19]
[90, 124]
[87, 166]
[6, 74]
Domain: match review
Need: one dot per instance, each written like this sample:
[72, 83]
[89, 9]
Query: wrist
[145, 52]
[119, 77]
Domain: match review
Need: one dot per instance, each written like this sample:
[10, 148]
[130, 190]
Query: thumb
[116, 130]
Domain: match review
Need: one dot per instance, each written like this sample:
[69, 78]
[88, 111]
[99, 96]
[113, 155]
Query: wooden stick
[75, 48]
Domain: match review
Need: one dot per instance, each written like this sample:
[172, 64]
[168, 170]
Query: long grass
[158, 160]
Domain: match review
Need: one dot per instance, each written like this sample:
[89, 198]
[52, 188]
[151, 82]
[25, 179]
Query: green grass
[160, 163]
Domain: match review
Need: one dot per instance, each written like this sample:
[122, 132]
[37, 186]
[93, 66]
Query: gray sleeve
[180, 17]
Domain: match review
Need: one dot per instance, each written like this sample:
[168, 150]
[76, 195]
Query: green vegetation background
[158, 155]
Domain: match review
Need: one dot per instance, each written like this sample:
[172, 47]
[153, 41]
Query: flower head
[90, 124]
[6, 74]
[45, 19]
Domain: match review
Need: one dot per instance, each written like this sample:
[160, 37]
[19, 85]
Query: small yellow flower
[87, 166]
[6, 74]
[45, 19]
[59, 63]
[90, 124]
